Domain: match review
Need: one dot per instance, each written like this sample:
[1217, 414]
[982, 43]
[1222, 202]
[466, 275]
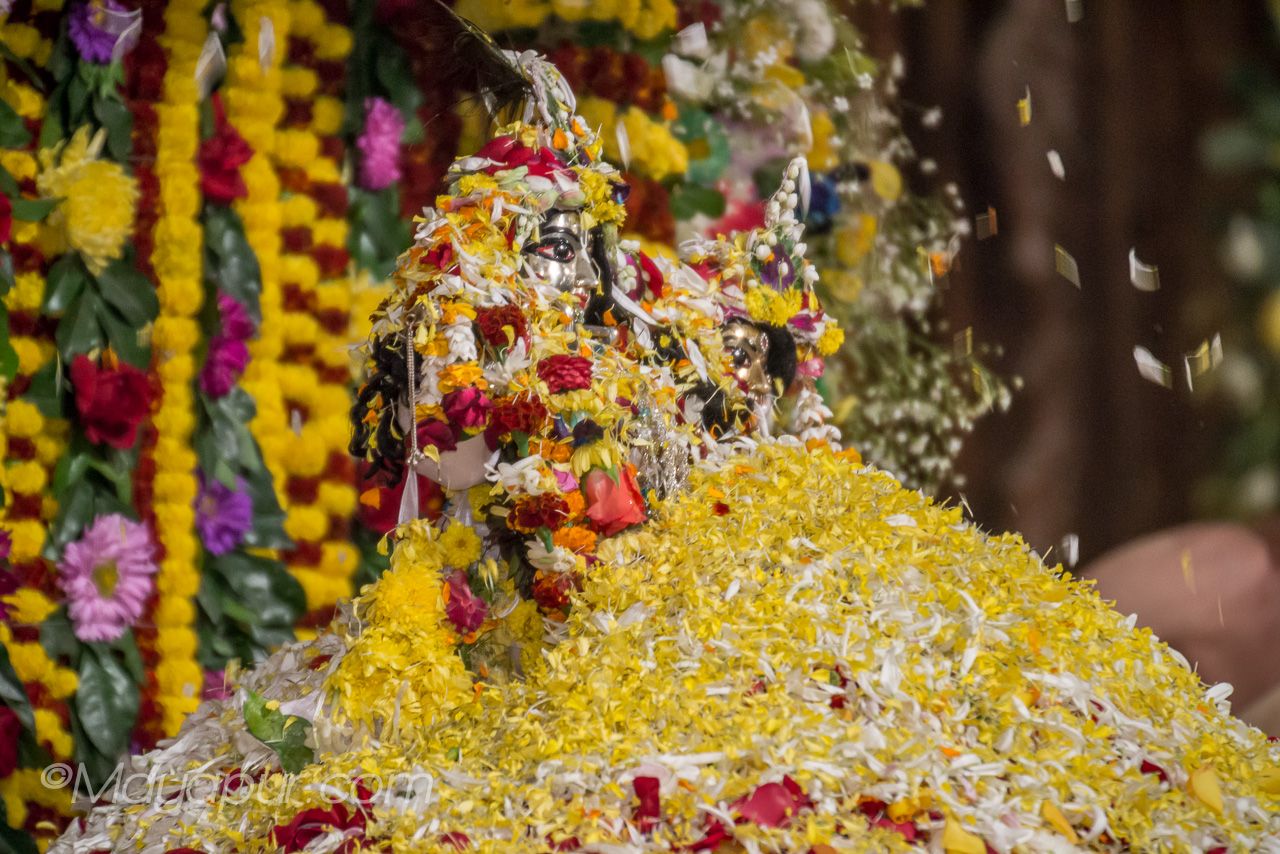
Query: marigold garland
[255, 107]
[177, 263]
[316, 288]
[31, 446]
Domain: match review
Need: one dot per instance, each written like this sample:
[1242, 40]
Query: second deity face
[748, 350]
[560, 255]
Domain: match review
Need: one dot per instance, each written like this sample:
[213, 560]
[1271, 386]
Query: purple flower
[107, 576]
[91, 29]
[379, 144]
[215, 686]
[225, 362]
[223, 515]
[236, 322]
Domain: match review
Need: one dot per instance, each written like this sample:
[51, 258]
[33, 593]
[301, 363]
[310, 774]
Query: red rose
[507, 152]
[525, 414]
[466, 408]
[773, 804]
[311, 824]
[10, 732]
[464, 608]
[6, 218]
[649, 809]
[493, 320]
[437, 434]
[565, 373]
[380, 505]
[221, 157]
[613, 506]
[112, 402]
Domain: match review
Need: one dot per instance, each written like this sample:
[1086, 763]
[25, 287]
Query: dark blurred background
[1126, 96]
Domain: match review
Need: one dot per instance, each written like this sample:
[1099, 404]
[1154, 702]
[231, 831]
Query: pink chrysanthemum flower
[107, 575]
[379, 144]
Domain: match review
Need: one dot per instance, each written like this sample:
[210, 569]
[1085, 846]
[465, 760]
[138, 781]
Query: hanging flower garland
[254, 107]
[32, 446]
[176, 261]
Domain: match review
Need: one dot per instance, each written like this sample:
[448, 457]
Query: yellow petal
[957, 840]
[1203, 784]
[1059, 822]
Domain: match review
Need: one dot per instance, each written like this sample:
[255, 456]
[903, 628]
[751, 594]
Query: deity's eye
[558, 249]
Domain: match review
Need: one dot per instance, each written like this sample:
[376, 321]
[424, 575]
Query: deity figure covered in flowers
[779, 649]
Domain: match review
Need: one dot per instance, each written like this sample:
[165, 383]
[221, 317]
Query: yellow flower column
[177, 264]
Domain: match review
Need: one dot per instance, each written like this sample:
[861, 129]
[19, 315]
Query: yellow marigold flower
[24, 420]
[334, 42]
[176, 676]
[30, 662]
[323, 170]
[297, 148]
[24, 100]
[769, 306]
[27, 478]
[176, 371]
[297, 82]
[321, 589]
[171, 611]
[21, 39]
[27, 292]
[334, 298]
[338, 559]
[306, 523]
[326, 115]
[297, 210]
[30, 606]
[831, 338]
[338, 499]
[49, 450]
[459, 546]
[27, 540]
[15, 805]
[461, 376]
[61, 682]
[299, 329]
[330, 232]
[307, 452]
[179, 295]
[31, 354]
[821, 155]
[174, 710]
[20, 164]
[98, 198]
[176, 643]
[179, 580]
[49, 730]
[175, 487]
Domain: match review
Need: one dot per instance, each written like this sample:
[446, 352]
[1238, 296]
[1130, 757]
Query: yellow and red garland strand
[316, 289]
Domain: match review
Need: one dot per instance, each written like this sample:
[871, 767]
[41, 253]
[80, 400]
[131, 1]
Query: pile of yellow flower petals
[800, 655]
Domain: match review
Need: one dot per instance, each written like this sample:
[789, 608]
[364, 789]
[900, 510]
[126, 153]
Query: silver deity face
[748, 351]
[559, 256]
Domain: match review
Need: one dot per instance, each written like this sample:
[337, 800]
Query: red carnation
[221, 157]
[613, 506]
[6, 218]
[539, 511]
[565, 373]
[437, 434]
[551, 590]
[525, 414]
[464, 609]
[112, 402]
[493, 320]
[10, 732]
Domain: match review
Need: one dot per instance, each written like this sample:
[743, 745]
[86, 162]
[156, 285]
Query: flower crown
[764, 275]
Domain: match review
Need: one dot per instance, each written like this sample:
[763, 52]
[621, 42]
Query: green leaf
[130, 292]
[231, 264]
[75, 513]
[275, 596]
[66, 280]
[124, 339]
[268, 518]
[285, 734]
[113, 115]
[12, 692]
[58, 638]
[33, 210]
[688, 200]
[46, 390]
[13, 131]
[14, 841]
[80, 330]
[106, 700]
[7, 280]
[8, 356]
[77, 98]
